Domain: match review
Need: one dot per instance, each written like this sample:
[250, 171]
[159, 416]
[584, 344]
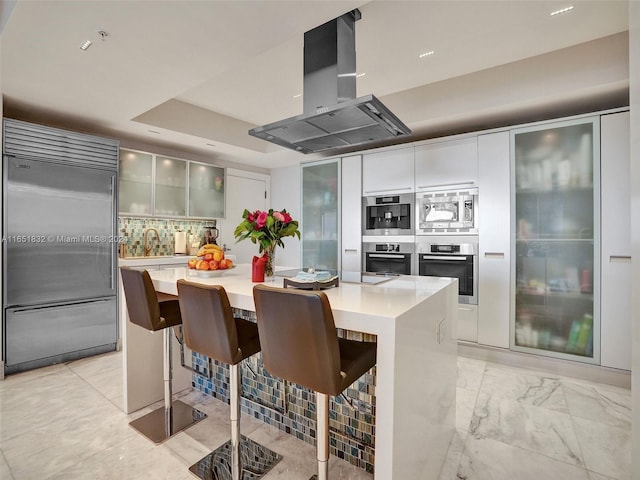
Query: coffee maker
[210, 234]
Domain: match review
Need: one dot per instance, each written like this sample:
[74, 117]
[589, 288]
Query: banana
[208, 248]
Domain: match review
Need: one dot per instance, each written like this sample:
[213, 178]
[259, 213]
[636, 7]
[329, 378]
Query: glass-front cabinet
[206, 190]
[155, 185]
[136, 173]
[170, 183]
[320, 215]
[556, 239]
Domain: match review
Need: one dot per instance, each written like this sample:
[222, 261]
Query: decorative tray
[311, 284]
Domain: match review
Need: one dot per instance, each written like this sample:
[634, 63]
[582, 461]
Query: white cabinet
[389, 171]
[615, 304]
[351, 244]
[446, 164]
[467, 323]
[494, 239]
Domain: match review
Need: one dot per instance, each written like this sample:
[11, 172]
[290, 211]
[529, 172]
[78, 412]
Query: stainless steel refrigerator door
[59, 232]
[42, 333]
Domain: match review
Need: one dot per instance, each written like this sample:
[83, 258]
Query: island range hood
[333, 117]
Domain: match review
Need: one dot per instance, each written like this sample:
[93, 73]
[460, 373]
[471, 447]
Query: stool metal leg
[240, 458]
[234, 386]
[167, 378]
[322, 435]
[172, 417]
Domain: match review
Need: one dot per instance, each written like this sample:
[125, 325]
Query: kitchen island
[414, 382]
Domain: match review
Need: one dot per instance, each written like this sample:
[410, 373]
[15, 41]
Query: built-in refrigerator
[59, 245]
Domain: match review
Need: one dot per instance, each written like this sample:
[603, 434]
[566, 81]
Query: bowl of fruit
[210, 262]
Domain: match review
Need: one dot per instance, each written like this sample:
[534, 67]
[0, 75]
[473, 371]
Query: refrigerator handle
[114, 230]
[5, 175]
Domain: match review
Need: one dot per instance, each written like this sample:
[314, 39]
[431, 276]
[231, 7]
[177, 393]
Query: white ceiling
[201, 73]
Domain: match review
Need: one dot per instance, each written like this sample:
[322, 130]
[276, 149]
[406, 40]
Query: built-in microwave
[388, 215]
[447, 212]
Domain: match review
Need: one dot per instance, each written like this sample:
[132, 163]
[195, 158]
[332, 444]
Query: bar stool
[155, 311]
[210, 329]
[300, 344]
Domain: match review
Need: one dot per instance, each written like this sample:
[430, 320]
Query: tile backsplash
[132, 230]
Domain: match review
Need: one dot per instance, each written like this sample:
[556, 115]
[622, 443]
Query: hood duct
[333, 117]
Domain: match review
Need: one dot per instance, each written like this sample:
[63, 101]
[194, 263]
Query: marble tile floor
[65, 422]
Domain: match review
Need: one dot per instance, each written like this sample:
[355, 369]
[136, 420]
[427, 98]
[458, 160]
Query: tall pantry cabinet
[554, 243]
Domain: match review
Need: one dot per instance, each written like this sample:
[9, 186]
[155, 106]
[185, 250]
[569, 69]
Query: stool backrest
[142, 301]
[208, 324]
[298, 337]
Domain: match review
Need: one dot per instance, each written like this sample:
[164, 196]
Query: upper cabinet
[136, 187]
[170, 184]
[390, 171]
[206, 191]
[447, 164]
[154, 185]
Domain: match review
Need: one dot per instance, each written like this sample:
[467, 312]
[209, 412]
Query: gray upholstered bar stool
[300, 344]
[210, 329]
[155, 311]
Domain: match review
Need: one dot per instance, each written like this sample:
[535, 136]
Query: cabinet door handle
[465, 309]
[350, 250]
[620, 258]
[498, 255]
[446, 184]
[388, 190]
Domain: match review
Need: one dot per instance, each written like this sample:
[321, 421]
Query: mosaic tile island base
[291, 407]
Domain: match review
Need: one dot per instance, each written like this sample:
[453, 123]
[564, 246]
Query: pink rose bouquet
[266, 228]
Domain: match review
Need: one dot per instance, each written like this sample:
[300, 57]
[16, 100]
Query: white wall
[285, 194]
[634, 70]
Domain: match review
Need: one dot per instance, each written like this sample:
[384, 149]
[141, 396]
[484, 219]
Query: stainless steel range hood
[333, 117]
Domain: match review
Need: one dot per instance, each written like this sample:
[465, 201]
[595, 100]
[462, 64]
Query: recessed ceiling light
[86, 44]
[562, 10]
[297, 95]
[360, 75]
[426, 54]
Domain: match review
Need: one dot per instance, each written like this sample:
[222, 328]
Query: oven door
[462, 267]
[388, 263]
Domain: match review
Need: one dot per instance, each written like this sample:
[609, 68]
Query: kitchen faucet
[148, 248]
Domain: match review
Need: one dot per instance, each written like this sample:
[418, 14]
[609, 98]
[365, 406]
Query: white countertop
[388, 300]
